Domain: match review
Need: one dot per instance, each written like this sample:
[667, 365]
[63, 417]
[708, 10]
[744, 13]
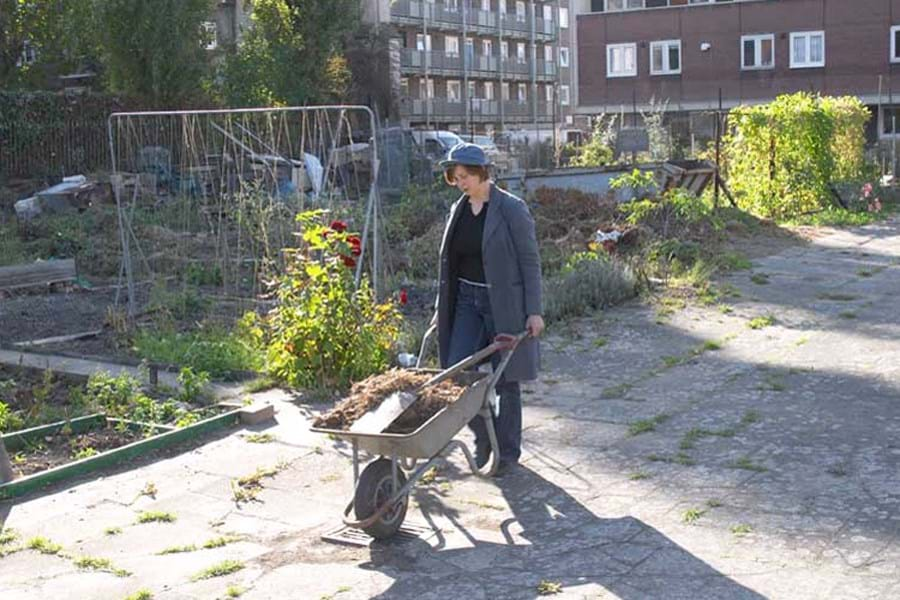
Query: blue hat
[466, 154]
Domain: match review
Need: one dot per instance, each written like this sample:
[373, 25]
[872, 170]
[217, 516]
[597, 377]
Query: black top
[465, 247]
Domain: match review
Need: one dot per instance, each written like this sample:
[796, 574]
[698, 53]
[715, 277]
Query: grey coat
[512, 269]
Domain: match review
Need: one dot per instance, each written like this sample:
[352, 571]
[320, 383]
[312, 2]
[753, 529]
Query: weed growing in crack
[92, 563]
[646, 425]
[761, 322]
[741, 529]
[155, 516]
[549, 588]
[747, 464]
[760, 279]
[692, 515]
[43, 545]
[226, 567]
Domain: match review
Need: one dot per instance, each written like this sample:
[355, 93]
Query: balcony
[414, 62]
[449, 16]
[480, 110]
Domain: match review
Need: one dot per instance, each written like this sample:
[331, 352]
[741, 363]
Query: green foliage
[783, 156]
[596, 152]
[589, 282]
[226, 567]
[325, 332]
[210, 348]
[193, 385]
[292, 54]
[642, 183]
[761, 322]
[113, 394]
[154, 50]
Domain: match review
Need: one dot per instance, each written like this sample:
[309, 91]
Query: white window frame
[486, 5]
[882, 123]
[29, 54]
[489, 90]
[451, 49]
[426, 89]
[502, 7]
[423, 42]
[894, 47]
[548, 13]
[548, 93]
[548, 53]
[666, 67]
[563, 56]
[564, 95]
[487, 47]
[451, 5]
[211, 35]
[563, 17]
[521, 12]
[757, 40]
[807, 64]
[457, 85]
[610, 48]
[521, 55]
[522, 93]
[473, 89]
[504, 50]
[504, 91]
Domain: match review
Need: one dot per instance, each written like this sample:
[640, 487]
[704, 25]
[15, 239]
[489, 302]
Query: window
[563, 17]
[423, 42]
[548, 53]
[472, 91]
[895, 43]
[454, 92]
[564, 95]
[404, 87]
[486, 5]
[807, 49]
[29, 54]
[487, 47]
[548, 13]
[504, 50]
[488, 90]
[451, 45]
[523, 93]
[520, 53]
[621, 60]
[613, 5]
[520, 11]
[452, 5]
[548, 93]
[504, 91]
[470, 50]
[665, 57]
[426, 88]
[502, 7]
[890, 118]
[564, 57]
[209, 35]
[757, 52]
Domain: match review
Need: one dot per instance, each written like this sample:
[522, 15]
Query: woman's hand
[534, 325]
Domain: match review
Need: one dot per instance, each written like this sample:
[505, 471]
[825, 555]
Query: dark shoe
[482, 455]
[506, 468]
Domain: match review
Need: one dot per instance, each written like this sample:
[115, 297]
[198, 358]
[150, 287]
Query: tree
[154, 50]
[292, 54]
[48, 27]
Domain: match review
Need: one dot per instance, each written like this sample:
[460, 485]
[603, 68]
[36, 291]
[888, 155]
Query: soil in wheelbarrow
[369, 393]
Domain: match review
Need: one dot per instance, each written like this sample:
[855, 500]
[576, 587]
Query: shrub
[783, 156]
[325, 331]
[588, 282]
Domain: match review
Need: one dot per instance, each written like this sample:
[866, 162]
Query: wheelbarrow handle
[501, 342]
[509, 343]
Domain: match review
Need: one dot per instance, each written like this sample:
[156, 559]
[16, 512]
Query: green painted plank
[117, 455]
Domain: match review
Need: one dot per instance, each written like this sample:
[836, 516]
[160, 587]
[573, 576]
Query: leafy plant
[325, 332]
[589, 282]
[193, 384]
[156, 517]
[226, 567]
[211, 349]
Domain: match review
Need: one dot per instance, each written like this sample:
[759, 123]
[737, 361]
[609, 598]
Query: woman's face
[464, 180]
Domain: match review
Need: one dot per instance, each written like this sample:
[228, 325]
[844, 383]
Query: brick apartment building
[686, 51]
[480, 65]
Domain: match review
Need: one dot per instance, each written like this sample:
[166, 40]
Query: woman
[490, 283]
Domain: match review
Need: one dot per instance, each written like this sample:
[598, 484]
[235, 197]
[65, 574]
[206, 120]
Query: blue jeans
[473, 329]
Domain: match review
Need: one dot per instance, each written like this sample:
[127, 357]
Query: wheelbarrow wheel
[375, 487]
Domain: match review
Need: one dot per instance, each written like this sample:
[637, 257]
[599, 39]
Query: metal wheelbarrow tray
[381, 494]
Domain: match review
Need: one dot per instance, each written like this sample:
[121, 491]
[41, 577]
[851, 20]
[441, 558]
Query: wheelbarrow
[381, 491]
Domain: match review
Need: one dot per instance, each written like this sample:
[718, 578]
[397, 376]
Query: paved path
[681, 456]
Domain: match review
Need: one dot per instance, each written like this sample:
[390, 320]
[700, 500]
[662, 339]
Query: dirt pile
[368, 394]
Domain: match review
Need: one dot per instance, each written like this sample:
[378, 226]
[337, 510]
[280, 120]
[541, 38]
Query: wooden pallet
[38, 273]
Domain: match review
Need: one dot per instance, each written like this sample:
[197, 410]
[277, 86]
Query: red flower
[355, 245]
[349, 261]
[338, 226]
[403, 297]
